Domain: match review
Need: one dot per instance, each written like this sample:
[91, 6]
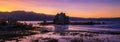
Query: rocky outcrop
[61, 18]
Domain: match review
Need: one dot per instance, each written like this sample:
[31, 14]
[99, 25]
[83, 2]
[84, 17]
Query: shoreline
[72, 23]
[55, 35]
[71, 37]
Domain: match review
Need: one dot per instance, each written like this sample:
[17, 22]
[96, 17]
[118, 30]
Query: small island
[62, 19]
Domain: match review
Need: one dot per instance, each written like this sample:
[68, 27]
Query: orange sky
[75, 8]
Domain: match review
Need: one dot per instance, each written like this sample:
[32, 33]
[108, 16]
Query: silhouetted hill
[27, 16]
[95, 19]
[32, 16]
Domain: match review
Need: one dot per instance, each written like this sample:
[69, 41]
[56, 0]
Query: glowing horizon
[74, 8]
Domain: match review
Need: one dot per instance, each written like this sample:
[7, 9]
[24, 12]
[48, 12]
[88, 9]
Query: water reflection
[60, 28]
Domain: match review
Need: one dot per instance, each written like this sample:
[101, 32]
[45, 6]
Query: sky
[73, 8]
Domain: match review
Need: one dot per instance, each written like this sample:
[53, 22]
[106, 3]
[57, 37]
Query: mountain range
[32, 16]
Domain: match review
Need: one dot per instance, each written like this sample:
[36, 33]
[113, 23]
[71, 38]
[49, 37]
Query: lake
[75, 33]
[109, 26]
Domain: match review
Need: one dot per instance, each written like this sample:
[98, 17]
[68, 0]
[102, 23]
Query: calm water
[109, 26]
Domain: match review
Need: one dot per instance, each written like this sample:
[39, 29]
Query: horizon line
[56, 13]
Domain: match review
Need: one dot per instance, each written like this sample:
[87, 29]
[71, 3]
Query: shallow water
[110, 26]
[67, 38]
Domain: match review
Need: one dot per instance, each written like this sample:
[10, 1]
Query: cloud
[78, 7]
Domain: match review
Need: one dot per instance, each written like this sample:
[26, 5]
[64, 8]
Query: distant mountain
[27, 16]
[32, 16]
[95, 19]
